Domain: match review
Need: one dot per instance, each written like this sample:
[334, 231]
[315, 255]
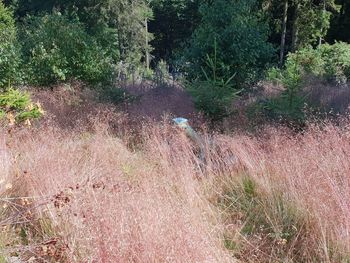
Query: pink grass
[157, 203]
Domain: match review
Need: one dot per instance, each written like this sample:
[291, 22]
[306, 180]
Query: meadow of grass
[94, 197]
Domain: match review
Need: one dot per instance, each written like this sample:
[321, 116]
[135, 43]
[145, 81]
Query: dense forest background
[219, 49]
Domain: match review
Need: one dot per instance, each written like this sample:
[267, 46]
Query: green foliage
[127, 19]
[307, 60]
[312, 21]
[331, 62]
[307, 22]
[119, 26]
[163, 68]
[239, 36]
[336, 59]
[287, 107]
[161, 73]
[214, 94]
[130, 19]
[9, 52]
[58, 48]
[17, 107]
[238, 39]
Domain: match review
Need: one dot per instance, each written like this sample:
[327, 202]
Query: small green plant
[238, 35]
[214, 94]
[16, 107]
[290, 104]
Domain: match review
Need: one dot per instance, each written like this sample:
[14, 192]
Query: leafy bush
[57, 48]
[336, 59]
[17, 107]
[329, 61]
[9, 52]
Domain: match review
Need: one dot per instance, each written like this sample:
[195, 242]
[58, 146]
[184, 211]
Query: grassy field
[90, 197]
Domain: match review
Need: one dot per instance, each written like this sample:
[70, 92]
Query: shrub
[336, 61]
[9, 52]
[161, 73]
[331, 62]
[289, 106]
[17, 107]
[214, 94]
[58, 48]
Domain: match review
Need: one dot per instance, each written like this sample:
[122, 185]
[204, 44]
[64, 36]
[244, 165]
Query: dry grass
[107, 204]
[295, 188]
[276, 197]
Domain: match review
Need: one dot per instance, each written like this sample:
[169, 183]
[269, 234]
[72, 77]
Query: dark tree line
[221, 47]
[166, 26]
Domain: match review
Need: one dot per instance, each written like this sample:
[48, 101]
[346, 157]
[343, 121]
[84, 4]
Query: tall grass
[86, 197]
[108, 204]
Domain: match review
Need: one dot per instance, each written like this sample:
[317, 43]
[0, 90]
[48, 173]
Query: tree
[173, 24]
[340, 23]
[7, 24]
[129, 18]
[311, 21]
[241, 41]
[57, 47]
[227, 52]
[295, 24]
[9, 51]
[118, 24]
[284, 31]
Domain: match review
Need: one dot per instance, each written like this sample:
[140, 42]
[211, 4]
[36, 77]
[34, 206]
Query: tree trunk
[342, 9]
[284, 32]
[295, 31]
[147, 44]
[341, 15]
[322, 29]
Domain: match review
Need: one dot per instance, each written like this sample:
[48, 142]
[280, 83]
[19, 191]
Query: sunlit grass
[277, 197]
